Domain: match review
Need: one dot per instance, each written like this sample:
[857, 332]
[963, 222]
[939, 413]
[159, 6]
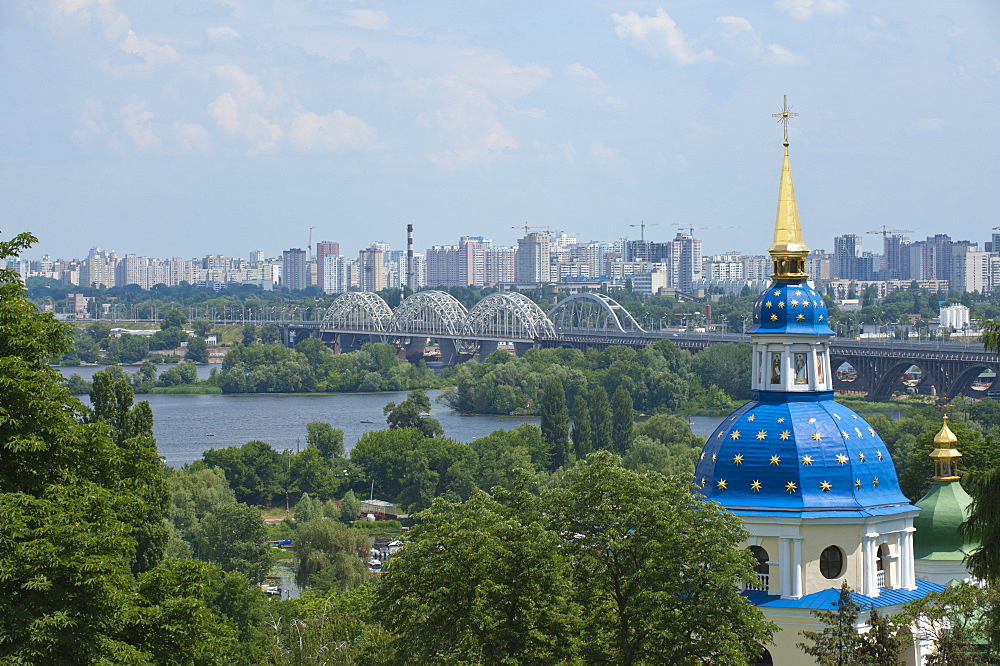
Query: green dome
[943, 509]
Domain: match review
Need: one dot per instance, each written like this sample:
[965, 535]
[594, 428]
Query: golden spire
[788, 251]
[945, 455]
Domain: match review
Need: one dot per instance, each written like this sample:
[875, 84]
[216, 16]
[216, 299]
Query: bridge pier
[521, 347]
[487, 347]
[415, 348]
[449, 351]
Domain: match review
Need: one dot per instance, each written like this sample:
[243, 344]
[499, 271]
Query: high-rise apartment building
[500, 264]
[846, 251]
[294, 269]
[896, 254]
[98, 269]
[685, 261]
[323, 249]
[532, 262]
[371, 270]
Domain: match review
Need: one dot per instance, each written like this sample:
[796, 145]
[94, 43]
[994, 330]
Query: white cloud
[587, 76]
[467, 121]
[152, 52]
[736, 40]
[659, 35]
[603, 153]
[578, 71]
[92, 124]
[331, 132]
[240, 110]
[369, 19]
[223, 34]
[192, 137]
[497, 76]
[736, 23]
[136, 123]
[782, 56]
[118, 30]
[806, 9]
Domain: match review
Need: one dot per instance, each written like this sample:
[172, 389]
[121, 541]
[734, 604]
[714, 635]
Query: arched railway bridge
[595, 320]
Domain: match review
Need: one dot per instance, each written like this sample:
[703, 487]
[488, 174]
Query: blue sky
[193, 127]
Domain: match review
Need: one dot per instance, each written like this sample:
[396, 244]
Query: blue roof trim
[827, 599]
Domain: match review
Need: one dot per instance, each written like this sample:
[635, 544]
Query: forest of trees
[580, 541]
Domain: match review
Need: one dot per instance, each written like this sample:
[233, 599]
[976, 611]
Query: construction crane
[691, 229]
[886, 231]
[545, 228]
[642, 228]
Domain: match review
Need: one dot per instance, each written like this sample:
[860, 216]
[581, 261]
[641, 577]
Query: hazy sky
[193, 127]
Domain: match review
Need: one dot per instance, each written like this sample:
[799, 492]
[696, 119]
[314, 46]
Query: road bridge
[588, 320]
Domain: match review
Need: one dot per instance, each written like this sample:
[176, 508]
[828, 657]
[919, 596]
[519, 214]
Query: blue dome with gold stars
[791, 308]
[798, 452]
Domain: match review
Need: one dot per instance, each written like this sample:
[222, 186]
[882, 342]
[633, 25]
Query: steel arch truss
[508, 315]
[358, 310]
[592, 313]
[429, 313]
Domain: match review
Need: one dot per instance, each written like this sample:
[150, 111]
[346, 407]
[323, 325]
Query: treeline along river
[187, 425]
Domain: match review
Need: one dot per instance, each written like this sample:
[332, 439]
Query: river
[187, 425]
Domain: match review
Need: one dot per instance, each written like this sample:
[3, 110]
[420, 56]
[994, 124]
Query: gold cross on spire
[784, 116]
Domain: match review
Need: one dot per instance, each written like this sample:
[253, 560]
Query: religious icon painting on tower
[801, 372]
[820, 379]
[776, 367]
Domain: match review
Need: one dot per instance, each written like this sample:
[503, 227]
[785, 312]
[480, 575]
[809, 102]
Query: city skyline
[167, 130]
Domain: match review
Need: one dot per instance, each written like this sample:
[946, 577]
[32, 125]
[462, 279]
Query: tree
[953, 624]
[581, 434]
[172, 319]
[419, 484]
[269, 333]
[482, 581]
[555, 422]
[654, 566]
[249, 335]
[72, 502]
[350, 506]
[622, 420]
[197, 350]
[311, 472]
[201, 327]
[307, 509]
[983, 528]
[600, 417]
[882, 643]
[411, 413]
[727, 366]
[327, 439]
[322, 545]
[839, 644]
[254, 471]
[234, 537]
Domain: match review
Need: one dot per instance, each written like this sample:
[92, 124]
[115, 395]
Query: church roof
[794, 308]
[798, 452]
[944, 508]
[827, 599]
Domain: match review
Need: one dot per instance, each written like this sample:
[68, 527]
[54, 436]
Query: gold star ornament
[775, 460]
[738, 459]
[755, 486]
[762, 434]
[791, 487]
[721, 485]
[807, 460]
[825, 486]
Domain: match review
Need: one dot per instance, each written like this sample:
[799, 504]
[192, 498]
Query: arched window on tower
[882, 566]
[762, 570]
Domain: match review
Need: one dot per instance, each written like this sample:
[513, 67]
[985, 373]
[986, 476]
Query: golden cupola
[945, 455]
